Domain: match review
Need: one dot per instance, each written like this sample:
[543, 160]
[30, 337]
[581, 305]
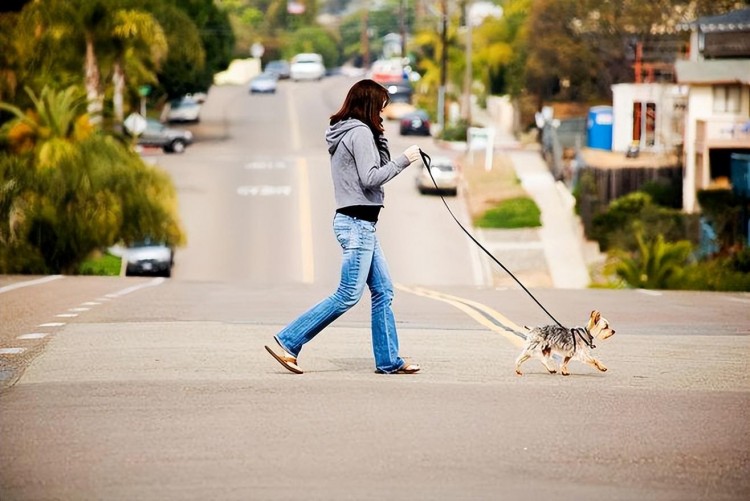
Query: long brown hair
[365, 100]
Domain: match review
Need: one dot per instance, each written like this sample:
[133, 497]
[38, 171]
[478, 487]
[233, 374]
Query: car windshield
[447, 168]
[146, 242]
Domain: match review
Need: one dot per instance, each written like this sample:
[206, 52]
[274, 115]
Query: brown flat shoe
[288, 361]
[407, 368]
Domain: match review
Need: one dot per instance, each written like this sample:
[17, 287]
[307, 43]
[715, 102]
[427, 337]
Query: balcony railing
[718, 132]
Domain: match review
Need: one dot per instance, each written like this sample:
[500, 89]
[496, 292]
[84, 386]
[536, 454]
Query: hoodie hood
[336, 132]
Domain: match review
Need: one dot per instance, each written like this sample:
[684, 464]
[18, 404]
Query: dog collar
[588, 339]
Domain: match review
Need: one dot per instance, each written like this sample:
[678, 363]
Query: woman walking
[360, 165]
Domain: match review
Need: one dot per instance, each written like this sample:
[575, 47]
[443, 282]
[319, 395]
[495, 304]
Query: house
[717, 116]
[650, 115]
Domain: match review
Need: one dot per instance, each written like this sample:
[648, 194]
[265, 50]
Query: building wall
[700, 106]
[669, 100]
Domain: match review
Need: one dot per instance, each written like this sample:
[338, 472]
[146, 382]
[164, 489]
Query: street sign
[257, 50]
[135, 124]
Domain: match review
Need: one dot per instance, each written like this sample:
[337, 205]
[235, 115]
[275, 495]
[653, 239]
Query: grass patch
[519, 212]
[101, 264]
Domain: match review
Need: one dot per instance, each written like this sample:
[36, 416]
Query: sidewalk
[560, 235]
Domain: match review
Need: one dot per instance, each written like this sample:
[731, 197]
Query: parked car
[400, 105]
[198, 97]
[149, 257]
[265, 83]
[307, 67]
[185, 109]
[446, 177]
[168, 139]
[280, 68]
[416, 123]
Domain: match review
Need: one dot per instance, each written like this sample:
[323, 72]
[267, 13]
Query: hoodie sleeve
[367, 158]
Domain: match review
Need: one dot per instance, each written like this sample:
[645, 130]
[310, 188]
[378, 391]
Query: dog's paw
[518, 372]
[565, 373]
[552, 371]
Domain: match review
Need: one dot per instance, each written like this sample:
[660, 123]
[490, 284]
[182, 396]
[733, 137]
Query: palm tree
[655, 264]
[69, 188]
[133, 32]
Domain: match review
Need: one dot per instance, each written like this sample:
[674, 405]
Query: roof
[737, 20]
[713, 71]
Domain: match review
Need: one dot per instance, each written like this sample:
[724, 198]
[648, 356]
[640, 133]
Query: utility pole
[468, 72]
[443, 63]
[402, 26]
[364, 39]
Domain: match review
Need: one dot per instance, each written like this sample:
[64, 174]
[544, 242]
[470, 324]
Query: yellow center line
[305, 223]
[477, 311]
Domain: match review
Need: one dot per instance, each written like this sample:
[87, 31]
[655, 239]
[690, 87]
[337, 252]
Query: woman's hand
[412, 153]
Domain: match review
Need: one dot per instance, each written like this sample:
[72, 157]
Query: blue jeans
[363, 264]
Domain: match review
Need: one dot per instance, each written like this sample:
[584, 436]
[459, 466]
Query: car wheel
[178, 146]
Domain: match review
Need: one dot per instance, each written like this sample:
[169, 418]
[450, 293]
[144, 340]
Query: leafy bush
[521, 212]
[713, 275]
[457, 132]
[101, 264]
[614, 229]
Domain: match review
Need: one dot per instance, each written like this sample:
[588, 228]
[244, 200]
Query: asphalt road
[140, 388]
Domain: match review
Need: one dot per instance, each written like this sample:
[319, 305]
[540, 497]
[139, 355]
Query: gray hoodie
[360, 167]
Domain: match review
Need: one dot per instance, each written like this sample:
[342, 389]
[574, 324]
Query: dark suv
[169, 139]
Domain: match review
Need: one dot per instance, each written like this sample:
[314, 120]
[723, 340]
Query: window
[727, 98]
[644, 123]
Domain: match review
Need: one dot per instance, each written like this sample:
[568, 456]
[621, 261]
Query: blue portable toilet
[740, 165]
[599, 128]
[740, 175]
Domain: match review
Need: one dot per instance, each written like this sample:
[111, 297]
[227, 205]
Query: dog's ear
[595, 316]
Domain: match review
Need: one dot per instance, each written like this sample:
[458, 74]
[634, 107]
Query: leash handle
[427, 161]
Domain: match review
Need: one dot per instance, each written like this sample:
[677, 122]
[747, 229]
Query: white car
[307, 67]
[148, 257]
[444, 172]
[185, 109]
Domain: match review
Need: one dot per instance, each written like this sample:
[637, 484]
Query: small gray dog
[576, 342]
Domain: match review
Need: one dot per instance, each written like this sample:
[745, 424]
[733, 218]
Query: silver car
[265, 83]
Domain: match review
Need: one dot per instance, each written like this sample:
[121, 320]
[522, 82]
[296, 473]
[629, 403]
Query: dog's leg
[524, 356]
[588, 359]
[598, 365]
[564, 367]
[546, 361]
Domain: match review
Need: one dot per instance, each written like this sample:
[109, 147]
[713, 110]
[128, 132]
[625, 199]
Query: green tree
[68, 188]
[313, 39]
[201, 43]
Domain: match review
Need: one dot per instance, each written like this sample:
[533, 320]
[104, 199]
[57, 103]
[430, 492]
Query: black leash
[427, 162]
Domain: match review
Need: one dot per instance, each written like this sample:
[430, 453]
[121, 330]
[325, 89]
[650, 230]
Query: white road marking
[264, 191]
[90, 303]
[52, 324]
[11, 351]
[266, 165]
[66, 315]
[79, 309]
[739, 300]
[28, 283]
[128, 290]
[649, 292]
[33, 335]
